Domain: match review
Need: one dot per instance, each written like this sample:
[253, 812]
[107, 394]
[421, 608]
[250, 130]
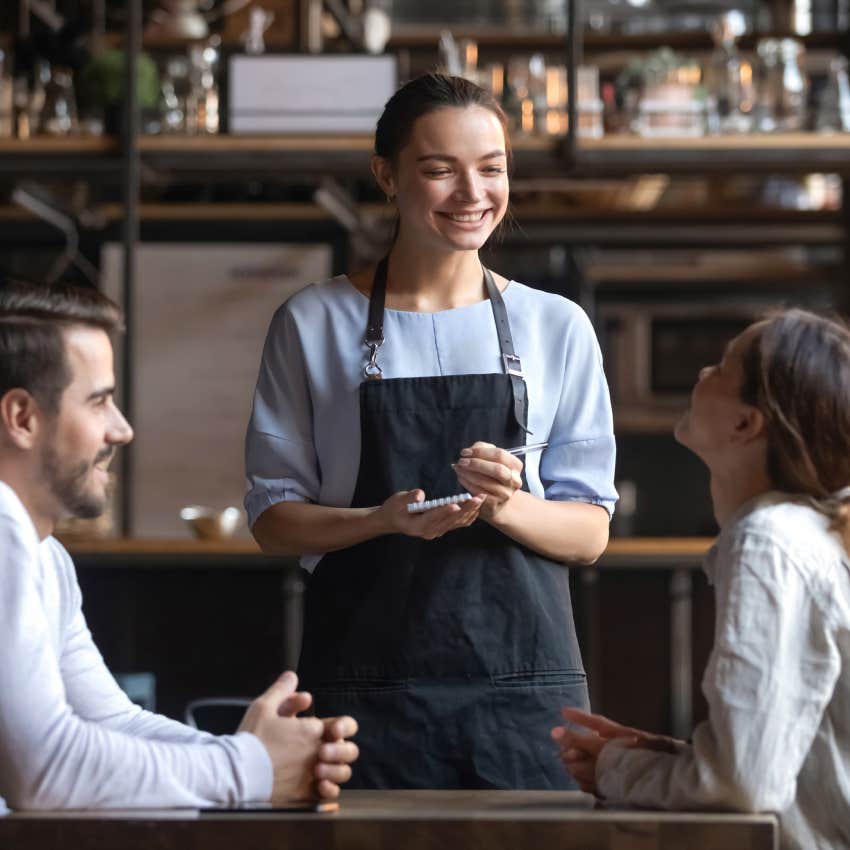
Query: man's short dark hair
[33, 318]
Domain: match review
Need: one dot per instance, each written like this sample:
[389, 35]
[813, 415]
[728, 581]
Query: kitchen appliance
[653, 353]
[654, 345]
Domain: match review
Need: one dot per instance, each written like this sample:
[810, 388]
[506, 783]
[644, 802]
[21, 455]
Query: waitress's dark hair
[797, 373]
[423, 95]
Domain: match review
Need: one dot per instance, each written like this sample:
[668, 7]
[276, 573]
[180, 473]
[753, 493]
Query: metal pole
[130, 193]
[573, 58]
[591, 637]
[24, 19]
[293, 615]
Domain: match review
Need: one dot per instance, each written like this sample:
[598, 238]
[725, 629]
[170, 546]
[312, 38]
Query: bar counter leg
[681, 653]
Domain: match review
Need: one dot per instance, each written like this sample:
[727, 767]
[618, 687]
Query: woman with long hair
[447, 632]
[772, 423]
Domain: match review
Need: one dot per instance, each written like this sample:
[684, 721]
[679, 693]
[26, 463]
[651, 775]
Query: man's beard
[67, 486]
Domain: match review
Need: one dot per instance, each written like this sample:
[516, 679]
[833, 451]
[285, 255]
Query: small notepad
[419, 507]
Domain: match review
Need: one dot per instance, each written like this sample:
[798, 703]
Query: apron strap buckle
[372, 371]
[510, 369]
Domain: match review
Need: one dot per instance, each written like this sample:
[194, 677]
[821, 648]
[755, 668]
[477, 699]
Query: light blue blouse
[303, 441]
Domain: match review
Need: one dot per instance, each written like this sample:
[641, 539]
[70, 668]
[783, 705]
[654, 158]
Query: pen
[522, 450]
[420, 507]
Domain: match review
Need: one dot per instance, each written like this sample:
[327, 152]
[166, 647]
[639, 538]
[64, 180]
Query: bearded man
[69, 737]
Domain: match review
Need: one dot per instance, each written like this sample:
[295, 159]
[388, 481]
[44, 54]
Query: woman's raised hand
[428, 524]
[581, 742]
[486, 469]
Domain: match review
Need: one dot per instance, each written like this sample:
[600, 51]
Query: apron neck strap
[374, 338]
[375, 329]
[512, 363]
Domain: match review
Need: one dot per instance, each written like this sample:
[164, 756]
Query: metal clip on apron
[455, 655]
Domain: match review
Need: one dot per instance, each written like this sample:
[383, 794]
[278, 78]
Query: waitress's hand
[487, 469]
[429, 524]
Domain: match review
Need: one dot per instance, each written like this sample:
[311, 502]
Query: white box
[308, 94]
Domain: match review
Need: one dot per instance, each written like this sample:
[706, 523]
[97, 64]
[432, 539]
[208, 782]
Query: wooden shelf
[526, 39]
[786, 152]
[161, 547]
[424, 37]
[312, 155]
[44, 156]
[46, 145]
[726, 143]
[228, 143]
[756, 153]
[700, 40]
[510, 39]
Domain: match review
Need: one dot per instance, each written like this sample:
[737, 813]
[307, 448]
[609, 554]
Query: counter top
[409, 819]
[621, 552]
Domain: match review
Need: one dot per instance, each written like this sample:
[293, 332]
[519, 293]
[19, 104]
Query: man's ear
[750, 425]
[21, 418]
[383, 171]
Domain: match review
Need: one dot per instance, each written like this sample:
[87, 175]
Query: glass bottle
[783, 86]
[170, 106]
[37, 94]
[204, 61]
[7, 110]
[833, 115]
[727, 77]
[59, 113]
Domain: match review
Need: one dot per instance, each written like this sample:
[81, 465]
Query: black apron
[455, 655]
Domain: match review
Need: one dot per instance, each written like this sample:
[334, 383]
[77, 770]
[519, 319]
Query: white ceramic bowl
[210, 524]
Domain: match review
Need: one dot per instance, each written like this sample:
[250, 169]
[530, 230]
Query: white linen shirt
[778, 686]
[69, 736]
[303, 441]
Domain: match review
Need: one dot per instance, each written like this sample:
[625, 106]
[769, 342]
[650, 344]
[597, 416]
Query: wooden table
[408, 820]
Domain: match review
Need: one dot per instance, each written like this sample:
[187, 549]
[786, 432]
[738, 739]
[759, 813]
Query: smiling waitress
[449, 633]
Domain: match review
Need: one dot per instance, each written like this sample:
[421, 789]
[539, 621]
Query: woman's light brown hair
[797, 373]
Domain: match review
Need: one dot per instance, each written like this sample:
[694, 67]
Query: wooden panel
[205, 307]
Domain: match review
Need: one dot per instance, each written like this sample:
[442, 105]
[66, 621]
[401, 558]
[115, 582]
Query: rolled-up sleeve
[280, 456]
[578, 464]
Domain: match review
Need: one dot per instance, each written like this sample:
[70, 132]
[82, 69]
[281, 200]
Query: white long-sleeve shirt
[778, 686]
[69, 737]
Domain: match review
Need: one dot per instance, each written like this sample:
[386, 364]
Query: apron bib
[455, 655]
